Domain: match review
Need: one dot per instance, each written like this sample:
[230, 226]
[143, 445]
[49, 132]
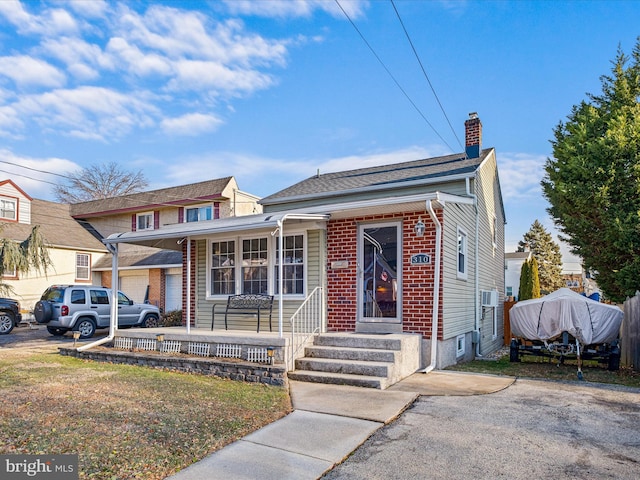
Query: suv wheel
[86, 327]
[43, 311]
[150, 321]
[58, 332]
[6, 323]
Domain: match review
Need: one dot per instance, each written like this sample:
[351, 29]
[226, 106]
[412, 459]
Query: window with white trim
[198, 214]
[83, 266]
[8, 208]
[255, 265]
[292, 266]
[462, 254]
[256, 270]
[460, 345]
[144, 221]
[223, 273]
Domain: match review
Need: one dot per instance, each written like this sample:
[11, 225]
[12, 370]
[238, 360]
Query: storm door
[379, 286]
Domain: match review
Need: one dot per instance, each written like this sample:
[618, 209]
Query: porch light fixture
[160, 337]
[270, 352]
[76, 336]
[419, 228]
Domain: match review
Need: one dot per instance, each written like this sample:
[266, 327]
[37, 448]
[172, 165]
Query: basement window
[460, 346]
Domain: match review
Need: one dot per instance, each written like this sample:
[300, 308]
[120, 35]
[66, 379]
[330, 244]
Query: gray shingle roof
[150, 258]
[180, 195]
[56, 225]
[380, 177]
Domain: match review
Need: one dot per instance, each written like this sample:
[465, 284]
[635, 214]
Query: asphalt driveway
[37, 337]
[532, 429]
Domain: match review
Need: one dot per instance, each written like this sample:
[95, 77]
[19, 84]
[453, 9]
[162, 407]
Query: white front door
[379, 261]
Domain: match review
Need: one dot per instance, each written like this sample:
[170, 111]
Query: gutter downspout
[188, 285]
[436, 288]
[476, 292]
[280, 224]
[113, 321]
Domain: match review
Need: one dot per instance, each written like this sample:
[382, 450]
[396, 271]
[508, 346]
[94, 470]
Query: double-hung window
[223, 273]
[83, 267]
[292, 266]
[462, 254]
[144, 221]
[256, 269]
[199, 214]
[8, 208]
[255, 266]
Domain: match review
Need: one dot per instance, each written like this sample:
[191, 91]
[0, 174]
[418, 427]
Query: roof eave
[394, 186]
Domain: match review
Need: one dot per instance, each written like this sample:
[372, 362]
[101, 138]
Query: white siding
[491, 272]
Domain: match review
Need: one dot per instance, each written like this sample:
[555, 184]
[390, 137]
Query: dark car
[10, 315]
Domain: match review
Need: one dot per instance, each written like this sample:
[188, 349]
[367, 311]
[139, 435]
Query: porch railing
[307, 321]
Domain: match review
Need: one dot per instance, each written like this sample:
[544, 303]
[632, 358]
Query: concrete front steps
[361, 360]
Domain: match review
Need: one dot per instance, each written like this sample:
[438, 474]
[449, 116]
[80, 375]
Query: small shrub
[172, 318]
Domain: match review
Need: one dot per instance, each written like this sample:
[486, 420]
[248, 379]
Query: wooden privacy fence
[507, 322]
[630, 333]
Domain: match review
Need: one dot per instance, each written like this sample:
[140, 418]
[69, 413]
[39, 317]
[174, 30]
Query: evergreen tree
[548, 257]
[593, 181]
[524, 291]
[535, 279]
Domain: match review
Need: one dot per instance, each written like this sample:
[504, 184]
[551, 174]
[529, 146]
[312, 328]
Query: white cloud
[172, 57]
[89, 8]
[27, 71]
[191, 124]
[52, 21]
[202, 75]
[520, 175]
[295, 8]
[79, 55]
[88, 112]
[136, 61]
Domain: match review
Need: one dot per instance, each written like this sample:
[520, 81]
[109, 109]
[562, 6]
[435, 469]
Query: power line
[425, 74]
[392, 76]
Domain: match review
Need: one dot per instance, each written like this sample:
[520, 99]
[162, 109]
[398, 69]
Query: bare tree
[99, 181]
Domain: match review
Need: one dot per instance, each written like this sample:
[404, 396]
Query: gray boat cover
[564, 310]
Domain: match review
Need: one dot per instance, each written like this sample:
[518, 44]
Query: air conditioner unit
[489, 298]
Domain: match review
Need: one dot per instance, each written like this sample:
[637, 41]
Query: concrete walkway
[327, 424]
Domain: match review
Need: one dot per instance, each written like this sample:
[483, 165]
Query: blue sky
[273, 91]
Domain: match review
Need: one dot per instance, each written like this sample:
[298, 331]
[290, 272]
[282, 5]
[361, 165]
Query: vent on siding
[489, 298]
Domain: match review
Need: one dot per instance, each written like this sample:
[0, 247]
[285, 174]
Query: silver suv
[84, 308]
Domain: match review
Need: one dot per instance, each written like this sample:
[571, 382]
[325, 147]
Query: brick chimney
[473, 135]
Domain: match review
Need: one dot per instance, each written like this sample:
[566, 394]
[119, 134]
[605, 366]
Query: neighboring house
[150, 274]
[513, 262]
[72, 249]
[396, 248]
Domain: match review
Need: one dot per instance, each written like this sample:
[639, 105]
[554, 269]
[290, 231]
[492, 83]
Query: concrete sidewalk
[327, 424]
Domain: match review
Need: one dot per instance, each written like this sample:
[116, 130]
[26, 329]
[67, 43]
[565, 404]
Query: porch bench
[244, 304]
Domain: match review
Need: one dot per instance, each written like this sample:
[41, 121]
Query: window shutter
[133, 222]
[180, 214]
[216, 210]
[156, 219]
